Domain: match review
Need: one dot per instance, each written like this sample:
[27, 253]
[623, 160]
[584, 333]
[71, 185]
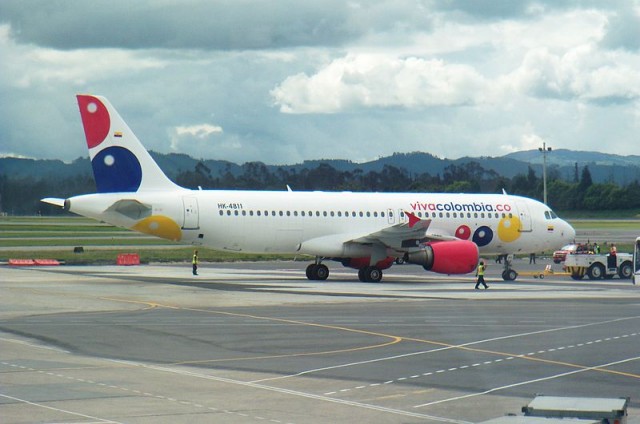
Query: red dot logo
[463, 232]
[95, 120]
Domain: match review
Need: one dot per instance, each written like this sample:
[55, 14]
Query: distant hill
[43, 168]
[603, 167]
[564, 157]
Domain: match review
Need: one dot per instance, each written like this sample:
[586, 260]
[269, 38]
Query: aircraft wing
[395, 235]
[402, 237]
[405, 235]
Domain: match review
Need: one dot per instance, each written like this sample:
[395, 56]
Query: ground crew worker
[613, 257]
[480, 275]
[194, 262]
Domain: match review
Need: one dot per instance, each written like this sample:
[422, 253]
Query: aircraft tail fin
[120, 162]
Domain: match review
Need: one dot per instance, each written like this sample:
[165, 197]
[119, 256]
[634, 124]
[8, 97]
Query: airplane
[443, 232]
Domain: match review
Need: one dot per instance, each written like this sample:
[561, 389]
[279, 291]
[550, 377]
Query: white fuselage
[282, 221]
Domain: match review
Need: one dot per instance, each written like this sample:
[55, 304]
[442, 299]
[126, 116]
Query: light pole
[544, 149]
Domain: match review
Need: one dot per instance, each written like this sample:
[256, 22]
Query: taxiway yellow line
[394, 340]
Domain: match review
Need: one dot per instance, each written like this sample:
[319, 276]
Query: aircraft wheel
[311, 271]
[317, 272]
[509, 275]
[626, 271]
[322, 272]
[361, 275]
[373, 274]
[595, 272]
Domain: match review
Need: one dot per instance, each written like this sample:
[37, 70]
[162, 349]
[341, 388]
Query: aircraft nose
[569, 232]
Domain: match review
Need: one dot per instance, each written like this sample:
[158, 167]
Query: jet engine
[446, 257]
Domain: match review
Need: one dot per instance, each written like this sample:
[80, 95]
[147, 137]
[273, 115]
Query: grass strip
[74, 241]
[108, 257]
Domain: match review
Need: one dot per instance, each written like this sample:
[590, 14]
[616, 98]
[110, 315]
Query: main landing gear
[317, 271]
[370, 274]
[508, 273]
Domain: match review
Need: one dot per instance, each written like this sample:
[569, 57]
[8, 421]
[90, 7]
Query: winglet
[413, 219]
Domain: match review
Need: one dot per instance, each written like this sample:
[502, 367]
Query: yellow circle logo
[159, 226]
[509, 229]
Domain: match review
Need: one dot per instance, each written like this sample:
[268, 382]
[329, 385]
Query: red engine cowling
[447, 257]
[360, 263]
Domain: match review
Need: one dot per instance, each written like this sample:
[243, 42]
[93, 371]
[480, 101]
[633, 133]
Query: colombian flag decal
[549, 228]
[117, 134]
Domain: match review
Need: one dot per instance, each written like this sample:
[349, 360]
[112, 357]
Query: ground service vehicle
[561, 254]
[596, 266]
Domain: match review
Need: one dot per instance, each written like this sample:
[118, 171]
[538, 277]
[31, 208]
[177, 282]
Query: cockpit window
[550, 215]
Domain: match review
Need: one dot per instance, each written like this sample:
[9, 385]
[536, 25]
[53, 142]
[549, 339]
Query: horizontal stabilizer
[131, 209]
[53, 201]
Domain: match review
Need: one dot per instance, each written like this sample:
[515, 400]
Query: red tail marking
[413, 219]
[95, 119]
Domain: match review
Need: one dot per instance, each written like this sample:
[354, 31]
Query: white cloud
[353, 80]
[380, 81]
[26, 66]
[190, 136]
[200, 131]
[531, 142]
[583, 73]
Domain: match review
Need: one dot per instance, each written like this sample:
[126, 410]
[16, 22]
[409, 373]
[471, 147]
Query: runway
[257, 342]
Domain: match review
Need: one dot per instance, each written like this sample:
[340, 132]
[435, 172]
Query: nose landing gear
[509, 274]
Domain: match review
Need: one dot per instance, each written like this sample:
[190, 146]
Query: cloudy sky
[284, 81]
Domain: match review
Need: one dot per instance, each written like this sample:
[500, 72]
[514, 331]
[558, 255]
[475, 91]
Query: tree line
[21, 196]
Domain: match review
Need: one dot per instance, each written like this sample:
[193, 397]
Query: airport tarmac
[257, 342]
